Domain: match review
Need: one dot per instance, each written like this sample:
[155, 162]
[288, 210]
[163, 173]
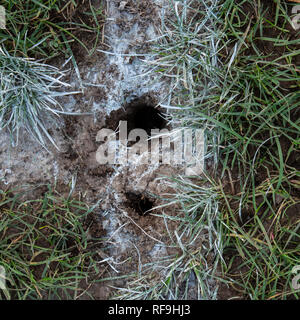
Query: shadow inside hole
[141, 115]
[146, 118]
[139, 203]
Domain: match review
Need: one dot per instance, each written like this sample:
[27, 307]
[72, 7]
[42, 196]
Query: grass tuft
[28, 92]
[45, 247]
[46, 29]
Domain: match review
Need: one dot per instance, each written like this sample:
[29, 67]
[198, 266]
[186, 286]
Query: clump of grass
[187, 50]
[45, 248]
[262, 252]
[45, 29]
[28, 92]
[40, 30]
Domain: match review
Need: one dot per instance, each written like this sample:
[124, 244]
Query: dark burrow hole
[143, 116]
[140, 203]
[140, 113]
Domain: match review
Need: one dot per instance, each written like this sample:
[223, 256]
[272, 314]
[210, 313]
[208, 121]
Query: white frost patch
[130, 78]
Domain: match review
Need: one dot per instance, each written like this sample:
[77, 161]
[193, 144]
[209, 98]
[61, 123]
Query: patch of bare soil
[126, 193]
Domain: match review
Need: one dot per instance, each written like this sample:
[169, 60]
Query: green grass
[45, 29]
[45, 247]
[233, 68]
[28, 93]
[29, 88]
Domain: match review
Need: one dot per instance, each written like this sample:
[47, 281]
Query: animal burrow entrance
[143, 116]
[139, 114]
[139, 202]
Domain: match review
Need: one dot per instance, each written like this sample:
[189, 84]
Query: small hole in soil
[139, 114]
[139, 203]
[143, 116]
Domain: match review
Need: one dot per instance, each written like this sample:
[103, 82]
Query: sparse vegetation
[46, 29]
[45, 246]
[29, 88]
